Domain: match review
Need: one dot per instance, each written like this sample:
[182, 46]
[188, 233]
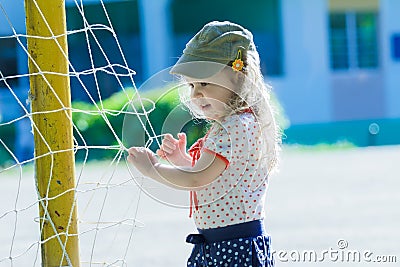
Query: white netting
[101, 186]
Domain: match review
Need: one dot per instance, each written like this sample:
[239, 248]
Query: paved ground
[317, 199]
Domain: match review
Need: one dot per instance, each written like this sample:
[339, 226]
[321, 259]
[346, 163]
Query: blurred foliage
[129, 127]
[94, 130]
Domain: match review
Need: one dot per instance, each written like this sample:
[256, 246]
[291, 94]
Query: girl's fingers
[182, 137]
[132, 151]
[132, 154]
[161, 153]
[170, 138]
[164, 152]
[168, 144]
[168, 147]
[168, 150]
[136, 151]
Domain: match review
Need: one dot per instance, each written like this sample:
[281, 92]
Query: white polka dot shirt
[238, 194]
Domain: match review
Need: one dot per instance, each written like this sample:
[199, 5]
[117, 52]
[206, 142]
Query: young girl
[226, 171]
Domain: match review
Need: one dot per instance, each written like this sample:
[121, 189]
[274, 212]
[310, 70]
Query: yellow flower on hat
[237, 64]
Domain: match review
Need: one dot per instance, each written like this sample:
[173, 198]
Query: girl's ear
[238, 77]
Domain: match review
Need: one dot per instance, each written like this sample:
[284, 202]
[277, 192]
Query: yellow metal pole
[51, 100]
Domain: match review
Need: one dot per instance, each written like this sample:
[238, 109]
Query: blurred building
[334, 64]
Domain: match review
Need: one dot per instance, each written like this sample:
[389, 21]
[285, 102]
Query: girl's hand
[143, 159]
[174, 150]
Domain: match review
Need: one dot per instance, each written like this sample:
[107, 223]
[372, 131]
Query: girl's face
[211, 95]
[210, 98]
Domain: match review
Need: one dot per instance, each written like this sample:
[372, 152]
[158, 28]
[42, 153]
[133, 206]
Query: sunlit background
[334, 66]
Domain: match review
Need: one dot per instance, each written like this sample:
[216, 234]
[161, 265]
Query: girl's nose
[196, 91]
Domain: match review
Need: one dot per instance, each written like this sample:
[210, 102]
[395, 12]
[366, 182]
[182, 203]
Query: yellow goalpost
[53, 134]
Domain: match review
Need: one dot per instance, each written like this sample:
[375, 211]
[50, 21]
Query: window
[353, 40]
[8, 60]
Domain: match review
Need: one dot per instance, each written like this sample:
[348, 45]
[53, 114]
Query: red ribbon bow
[194, 152]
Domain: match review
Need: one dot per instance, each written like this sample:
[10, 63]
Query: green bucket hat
[212, 48]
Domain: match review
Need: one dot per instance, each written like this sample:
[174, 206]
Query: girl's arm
[206, 169]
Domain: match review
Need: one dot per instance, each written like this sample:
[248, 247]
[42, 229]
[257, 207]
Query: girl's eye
[202, 84]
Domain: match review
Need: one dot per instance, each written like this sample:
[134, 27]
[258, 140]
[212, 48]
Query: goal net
[80, 212]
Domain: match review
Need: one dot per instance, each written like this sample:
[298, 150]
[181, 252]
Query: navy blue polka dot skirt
[239, 245]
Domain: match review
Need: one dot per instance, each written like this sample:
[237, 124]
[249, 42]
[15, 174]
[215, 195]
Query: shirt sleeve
[224, 137]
